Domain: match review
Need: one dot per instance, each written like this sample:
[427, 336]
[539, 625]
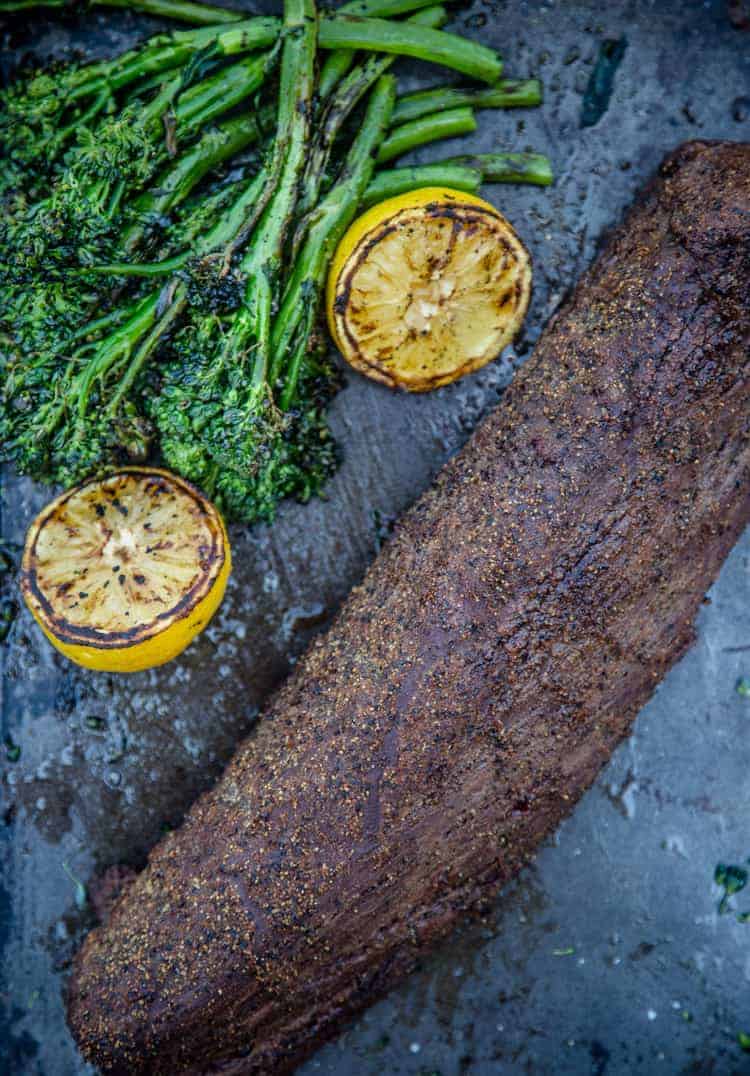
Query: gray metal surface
[608, 954]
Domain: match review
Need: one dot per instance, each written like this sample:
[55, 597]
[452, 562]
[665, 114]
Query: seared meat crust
[471, 688]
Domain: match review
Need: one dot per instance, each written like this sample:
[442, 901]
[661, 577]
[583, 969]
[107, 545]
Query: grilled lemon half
[427, 287]
[121, 573]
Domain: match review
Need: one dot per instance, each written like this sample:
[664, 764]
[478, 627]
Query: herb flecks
[732, 879]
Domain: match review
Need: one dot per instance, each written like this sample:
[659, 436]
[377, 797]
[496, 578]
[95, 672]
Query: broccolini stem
[235, 224]
[114, 198]
[349, 92]
[393, 181]
[457, 121]
[97, 105]
[152, 114]
[262, 260]
[465, 173]
[406, 39]
[381, 9]
[219, 240]
[175, 306]
[335, 214]
[215, 95]
[338, 63]
[148, 322]
[346, 97]
[181, 10]
[333, 70]
[199, 14]
[508, 93]
[169, 265]
[106, 321]
[164, 52]
[115, 349]
[509, 167]
[217, 145]
[259, 32]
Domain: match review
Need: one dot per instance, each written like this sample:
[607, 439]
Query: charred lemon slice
[427, 287]
[122, 573]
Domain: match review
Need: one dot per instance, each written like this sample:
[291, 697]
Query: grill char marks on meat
[473, 685]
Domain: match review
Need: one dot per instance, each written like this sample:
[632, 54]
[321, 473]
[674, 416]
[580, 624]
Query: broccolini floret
[169, 218]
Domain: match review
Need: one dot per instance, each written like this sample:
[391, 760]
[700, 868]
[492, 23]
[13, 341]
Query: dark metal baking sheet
[608, 954]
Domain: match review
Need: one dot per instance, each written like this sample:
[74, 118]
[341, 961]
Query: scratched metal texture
[608, 954]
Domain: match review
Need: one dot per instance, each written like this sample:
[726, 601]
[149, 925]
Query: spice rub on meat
[470, 689]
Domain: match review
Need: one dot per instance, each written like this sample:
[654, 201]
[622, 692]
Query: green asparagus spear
[509, 167]
[409, 136]
[262, 260]
[217, 145]
[338, 63]
[208, 15]
[180, 10]
[332, 219]
[393, 181]
[465, 173]
[508, 93]
[406, 39]
[338, 107]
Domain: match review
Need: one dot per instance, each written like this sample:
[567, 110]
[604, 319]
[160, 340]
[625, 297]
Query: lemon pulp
[123, 572]
[427, 287]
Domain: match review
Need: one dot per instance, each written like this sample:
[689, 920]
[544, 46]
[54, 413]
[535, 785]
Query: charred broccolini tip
[43, 112]
[216, 409]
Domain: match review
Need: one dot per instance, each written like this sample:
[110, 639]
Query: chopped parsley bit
[744, 1040]
[564, 952]
[731, 879]
[742, 687]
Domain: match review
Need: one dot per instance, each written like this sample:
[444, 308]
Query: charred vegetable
[169, 217]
